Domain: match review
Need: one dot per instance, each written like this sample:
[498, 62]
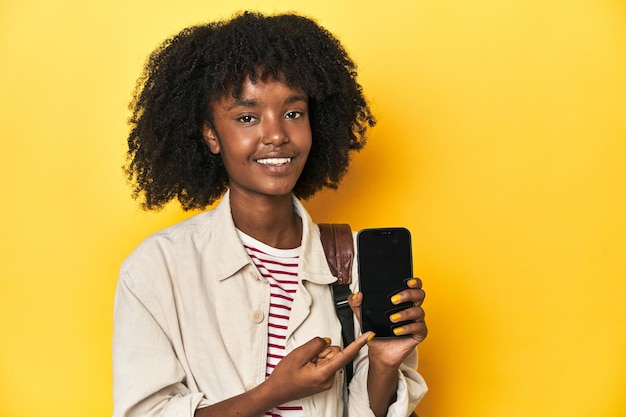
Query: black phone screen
[385, 263]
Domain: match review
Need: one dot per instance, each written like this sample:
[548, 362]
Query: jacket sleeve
[411, 388]
[148, 379]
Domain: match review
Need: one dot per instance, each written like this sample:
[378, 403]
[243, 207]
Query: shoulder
[206, 243]
[165, 246]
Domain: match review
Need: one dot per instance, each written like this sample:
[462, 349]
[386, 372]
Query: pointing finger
[349, 352]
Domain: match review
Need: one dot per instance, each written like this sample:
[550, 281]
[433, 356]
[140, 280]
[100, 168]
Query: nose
[274, 132]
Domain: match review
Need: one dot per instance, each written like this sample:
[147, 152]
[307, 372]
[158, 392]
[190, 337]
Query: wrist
[266, 396]
[382, 369]
[382, 385]
[383, 361]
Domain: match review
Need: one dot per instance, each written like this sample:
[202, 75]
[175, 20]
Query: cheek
[236, 150]
[229, 157]
[304, 137]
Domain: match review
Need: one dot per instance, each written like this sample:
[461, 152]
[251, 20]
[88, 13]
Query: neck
[270, 220]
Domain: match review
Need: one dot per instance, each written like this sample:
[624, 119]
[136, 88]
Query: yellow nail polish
[327, 340]
[398, 330]
[412, 282]
[355, 296]
[395, 299]
[394, 317]
[371, 336]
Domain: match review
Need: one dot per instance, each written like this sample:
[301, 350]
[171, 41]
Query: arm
[306, 371]
[147, 375]
[149, 379]
[388, 356]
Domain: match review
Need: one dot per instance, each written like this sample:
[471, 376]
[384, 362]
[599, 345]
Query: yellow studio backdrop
[501, 145]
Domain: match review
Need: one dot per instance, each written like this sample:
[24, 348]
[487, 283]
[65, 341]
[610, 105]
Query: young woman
[230, 313]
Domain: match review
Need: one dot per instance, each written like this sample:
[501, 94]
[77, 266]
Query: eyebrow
[245, 102]
[295, 98]
[242, 102]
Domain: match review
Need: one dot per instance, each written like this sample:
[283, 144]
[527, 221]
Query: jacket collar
[230, 256]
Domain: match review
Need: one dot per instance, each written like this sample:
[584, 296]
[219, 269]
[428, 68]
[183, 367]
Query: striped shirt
[280, 268]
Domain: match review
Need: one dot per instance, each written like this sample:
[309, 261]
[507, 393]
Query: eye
[246, 119]
[293, 115]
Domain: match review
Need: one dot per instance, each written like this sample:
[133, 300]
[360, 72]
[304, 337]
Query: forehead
[263, 90]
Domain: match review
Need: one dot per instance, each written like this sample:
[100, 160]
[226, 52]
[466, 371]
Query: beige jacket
[191, 323]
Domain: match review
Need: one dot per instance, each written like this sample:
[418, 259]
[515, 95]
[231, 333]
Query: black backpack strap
[341, 292]
[339, 249]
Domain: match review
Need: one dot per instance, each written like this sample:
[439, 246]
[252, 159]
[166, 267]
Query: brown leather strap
[339, 248]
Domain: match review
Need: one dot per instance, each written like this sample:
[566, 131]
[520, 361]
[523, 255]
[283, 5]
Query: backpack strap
[339, 249]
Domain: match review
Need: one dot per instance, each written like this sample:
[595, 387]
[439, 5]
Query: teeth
[274, 161]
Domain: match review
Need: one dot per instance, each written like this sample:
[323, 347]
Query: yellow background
[501, 145]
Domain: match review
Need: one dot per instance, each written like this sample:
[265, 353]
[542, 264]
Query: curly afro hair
[167, 155]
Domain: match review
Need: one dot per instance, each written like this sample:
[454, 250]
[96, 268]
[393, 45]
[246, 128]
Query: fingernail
[370, 337]
[395, 299]
[412, 282]
[398, 330]
[327, 340]
[394, 317]
[355, 296]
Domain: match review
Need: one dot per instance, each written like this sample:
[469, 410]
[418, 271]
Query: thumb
[355, 300]
[308, 351]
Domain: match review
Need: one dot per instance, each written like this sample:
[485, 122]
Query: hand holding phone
[385, 263]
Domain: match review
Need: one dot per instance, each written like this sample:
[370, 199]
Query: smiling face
[263, 137]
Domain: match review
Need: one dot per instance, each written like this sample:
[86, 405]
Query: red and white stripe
[280, 268]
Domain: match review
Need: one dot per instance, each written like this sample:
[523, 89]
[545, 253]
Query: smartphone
[385, 263]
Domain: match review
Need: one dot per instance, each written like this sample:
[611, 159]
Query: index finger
[350, 351]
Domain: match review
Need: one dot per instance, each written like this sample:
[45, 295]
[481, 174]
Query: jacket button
[257, 316]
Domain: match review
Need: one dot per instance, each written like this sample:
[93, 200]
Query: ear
[210, 137]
